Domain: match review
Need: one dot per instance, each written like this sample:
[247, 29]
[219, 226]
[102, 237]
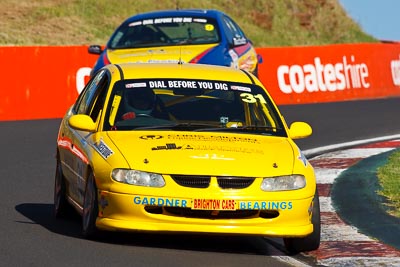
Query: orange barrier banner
[41, 82]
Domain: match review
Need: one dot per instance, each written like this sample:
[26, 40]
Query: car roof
[182, 71]
[178, 12]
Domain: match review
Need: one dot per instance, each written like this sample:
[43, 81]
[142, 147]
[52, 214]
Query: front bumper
[124, 212]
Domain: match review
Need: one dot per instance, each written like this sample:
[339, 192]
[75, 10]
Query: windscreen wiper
[177, 126]
[246, 128]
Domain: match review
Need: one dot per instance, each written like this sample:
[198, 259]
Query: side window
[233, 31]
[100, 98]
[84, 103]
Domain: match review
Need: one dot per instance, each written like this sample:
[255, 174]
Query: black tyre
[255, 71]
[90, 209]
[312, 241]
[61, 206]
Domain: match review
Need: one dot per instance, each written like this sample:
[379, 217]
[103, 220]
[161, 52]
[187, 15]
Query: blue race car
[187, 36]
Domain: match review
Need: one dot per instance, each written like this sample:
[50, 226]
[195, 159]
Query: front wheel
[90, 209]
[310, 242]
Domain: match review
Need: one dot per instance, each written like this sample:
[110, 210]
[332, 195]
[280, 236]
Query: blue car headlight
[135, 177]
[283, 183]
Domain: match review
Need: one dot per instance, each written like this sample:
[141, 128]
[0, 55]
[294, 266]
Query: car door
[76, 159]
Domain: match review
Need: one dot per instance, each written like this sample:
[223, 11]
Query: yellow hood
[166, 54]
[205, 153]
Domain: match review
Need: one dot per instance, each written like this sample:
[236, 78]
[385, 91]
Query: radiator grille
[234, 182]
[198, 181]
[194, 181]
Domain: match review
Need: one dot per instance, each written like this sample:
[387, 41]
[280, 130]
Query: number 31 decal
[249, 98]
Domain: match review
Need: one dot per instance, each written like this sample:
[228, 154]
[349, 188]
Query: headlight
[282, 183]
[135, 177]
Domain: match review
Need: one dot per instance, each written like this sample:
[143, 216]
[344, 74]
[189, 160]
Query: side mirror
[259, 58]
[82, 122]
[95, 49]
[299, 129]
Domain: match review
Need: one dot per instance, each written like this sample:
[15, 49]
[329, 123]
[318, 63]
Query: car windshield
[191, 105]
[165, 31]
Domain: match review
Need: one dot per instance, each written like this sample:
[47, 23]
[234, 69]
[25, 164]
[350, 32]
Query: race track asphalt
[341, 122]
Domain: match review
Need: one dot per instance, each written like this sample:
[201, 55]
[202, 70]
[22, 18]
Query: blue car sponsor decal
[103, 149]
[160, 201]
[265, 205]
[302, 158]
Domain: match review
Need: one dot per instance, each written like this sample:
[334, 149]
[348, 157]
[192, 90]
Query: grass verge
[266, 22]
[389, 178]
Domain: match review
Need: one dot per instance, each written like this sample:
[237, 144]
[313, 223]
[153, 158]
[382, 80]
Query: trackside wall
[41, 82]
[301, 75]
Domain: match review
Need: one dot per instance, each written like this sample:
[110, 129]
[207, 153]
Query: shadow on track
[42, 214]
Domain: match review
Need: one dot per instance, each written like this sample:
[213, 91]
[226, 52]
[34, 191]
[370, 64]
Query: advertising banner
[314, 74]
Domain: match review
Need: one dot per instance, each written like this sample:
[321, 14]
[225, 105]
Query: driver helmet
[140, 100]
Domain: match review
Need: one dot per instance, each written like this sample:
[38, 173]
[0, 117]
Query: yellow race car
[185, 148]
